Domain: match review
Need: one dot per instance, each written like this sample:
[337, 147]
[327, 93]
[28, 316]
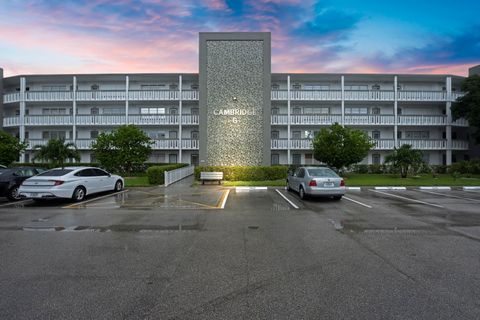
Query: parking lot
[210, 252]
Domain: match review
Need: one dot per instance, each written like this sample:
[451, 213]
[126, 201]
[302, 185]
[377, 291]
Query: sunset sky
[133, 36]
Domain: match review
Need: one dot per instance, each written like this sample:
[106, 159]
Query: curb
[472, 188]
[390, 188]
[435, 188]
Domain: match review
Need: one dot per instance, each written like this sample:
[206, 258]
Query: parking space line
[223, 199]
[13, 203]
[74, 205]
[449, 195]
[357, 202]
[409, 199]
[286, 199]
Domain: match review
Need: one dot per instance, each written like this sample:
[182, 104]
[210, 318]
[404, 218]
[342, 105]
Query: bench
[211, 176]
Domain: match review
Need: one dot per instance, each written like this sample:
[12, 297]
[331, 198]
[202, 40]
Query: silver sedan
[316, 181]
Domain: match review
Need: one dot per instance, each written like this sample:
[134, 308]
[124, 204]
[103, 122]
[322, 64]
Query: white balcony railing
[101, 95]
[316, 95]
[383, 144]
[100, 119]
[422, 95]
[167, 144]
[190, 95]
[315, 119]
[369, 119]
[460, 122]
[428, 144]
[189, 144]
[11, 97]
[369, 95]
[279, 144]
[460, 145]
[153, 119]
[422, 120]
[48, 96]
[190, 119]
[48, 120]
[11, 121]
[151, 95]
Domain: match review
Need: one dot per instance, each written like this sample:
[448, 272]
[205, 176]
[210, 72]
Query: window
[275, 159]
[399, 134]
[152, 110]
[55, 172]
[297, 110]
[27, 157]
[47, 135]
[173, 111]
[113, 110]
[194, 86]
[296, 86]
[316, 87]
[376, 134]
[275, 110]
[376, 87]
[426, 157]
[27, 134]
[54, 88]
[172, 134]
[99, 172]
[417, 134]
[54, 111]
[275, 135]
[194, 111]
[173, 86]
[95, 87]
[296, 158]
[172, 158]
[454, 136]
[316, 110]
[376, 110]
[93, 134]
[308, 158]
[194, 135]
[375, 158]
[301, 173]
[399, 111]
[94, 111]
[356, 87]
[296, 134]
[275, 86]
[358, 110]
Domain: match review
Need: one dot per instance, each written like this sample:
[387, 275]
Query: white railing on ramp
[178, 174]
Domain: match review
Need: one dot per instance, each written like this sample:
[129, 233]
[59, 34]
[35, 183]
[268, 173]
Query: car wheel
[79, 194]
[118, 185]
[337, 197]
[13, 194]
[302, 193]
[288, 186]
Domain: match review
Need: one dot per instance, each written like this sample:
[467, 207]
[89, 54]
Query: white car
[70, 182]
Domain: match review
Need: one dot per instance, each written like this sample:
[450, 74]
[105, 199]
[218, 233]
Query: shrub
[465, 167]
[156, 174]
[246, 173]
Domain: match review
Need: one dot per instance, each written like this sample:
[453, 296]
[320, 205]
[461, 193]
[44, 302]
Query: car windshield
[55, 173]
[322, 172]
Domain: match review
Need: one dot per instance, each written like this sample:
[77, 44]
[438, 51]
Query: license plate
[328, 184]
[33, 194]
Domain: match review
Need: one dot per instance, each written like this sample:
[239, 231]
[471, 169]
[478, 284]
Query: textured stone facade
[235, 100]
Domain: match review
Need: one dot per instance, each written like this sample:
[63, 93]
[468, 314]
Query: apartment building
[392, 109]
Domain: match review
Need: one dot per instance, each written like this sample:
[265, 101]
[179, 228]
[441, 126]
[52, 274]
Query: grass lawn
[136, 182]
[421, 180]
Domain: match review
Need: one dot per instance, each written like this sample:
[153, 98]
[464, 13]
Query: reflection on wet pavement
[151, 199]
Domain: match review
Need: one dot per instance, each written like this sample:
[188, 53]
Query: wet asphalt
[174, 253]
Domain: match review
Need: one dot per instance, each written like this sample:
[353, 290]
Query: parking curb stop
[435, 188]
[472, 188]
[391, 188]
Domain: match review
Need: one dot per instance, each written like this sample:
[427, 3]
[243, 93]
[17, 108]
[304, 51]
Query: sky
[315, 36]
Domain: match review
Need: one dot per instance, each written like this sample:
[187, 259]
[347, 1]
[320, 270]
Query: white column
[127, 85]
[395, 111]
[180, 118]
[288, 121]
[343, 100]
[23, 85]
[74, 111]
[448, 130]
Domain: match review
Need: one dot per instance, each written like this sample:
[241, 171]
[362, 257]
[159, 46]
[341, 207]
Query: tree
[10, 148]
[468, 106]
[57, 152]
[122, 149]
[341, 147]
[404, 158]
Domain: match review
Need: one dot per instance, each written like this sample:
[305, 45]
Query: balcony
[96, 119]
[101, 95]
[421, 95]
[369, 119]
[369, 95]
[427, 120]
[190, 119]
[460, 145]
[461, 123]
[153, 119]
[383, 144]
[86, 144]
[48, 120]
[190, 144]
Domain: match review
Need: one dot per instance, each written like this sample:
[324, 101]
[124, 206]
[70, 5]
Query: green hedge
[156, 174]
[246, 173]
[465, 167]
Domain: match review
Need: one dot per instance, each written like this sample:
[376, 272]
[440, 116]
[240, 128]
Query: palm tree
[57, 152]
